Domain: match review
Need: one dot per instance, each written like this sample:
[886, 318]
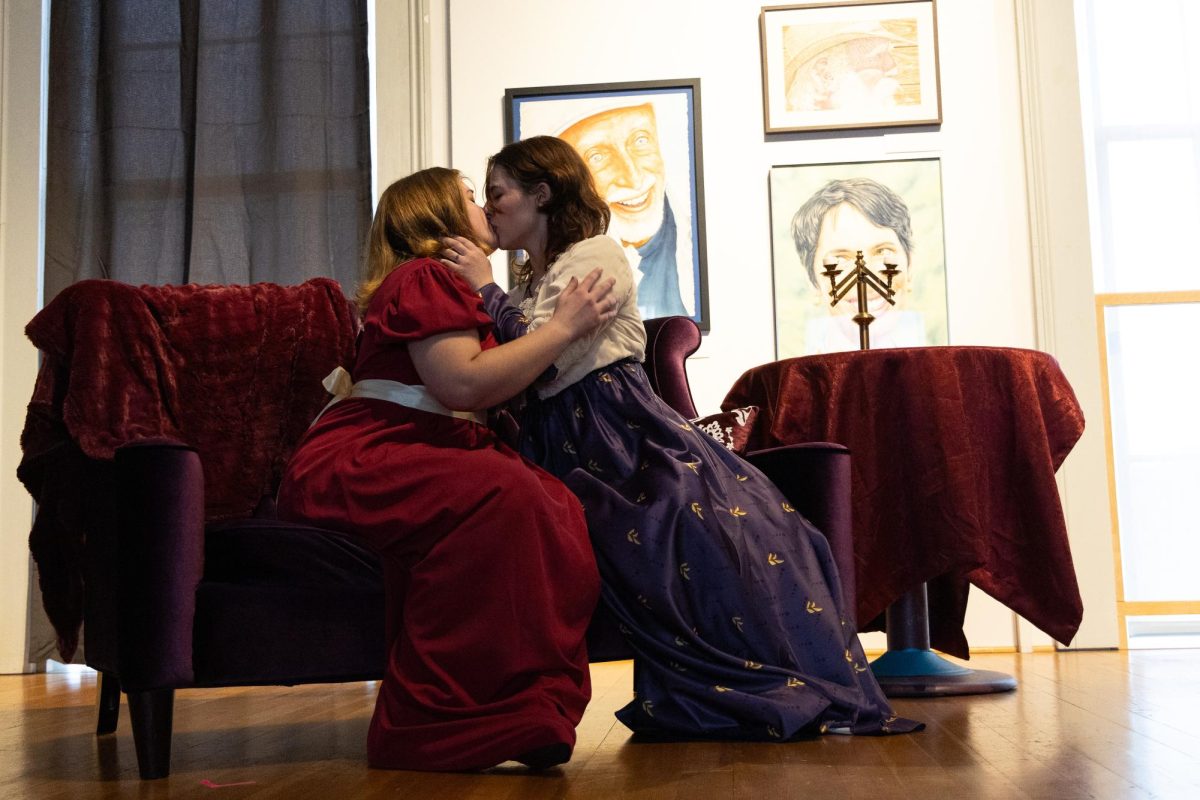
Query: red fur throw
[234, 371]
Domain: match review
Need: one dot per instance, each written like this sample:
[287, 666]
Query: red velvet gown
[487, 564]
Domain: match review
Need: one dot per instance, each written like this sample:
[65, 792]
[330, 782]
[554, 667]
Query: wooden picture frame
[849, 64]
[823, 212]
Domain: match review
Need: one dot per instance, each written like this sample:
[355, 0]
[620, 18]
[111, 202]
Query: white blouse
[622, 337]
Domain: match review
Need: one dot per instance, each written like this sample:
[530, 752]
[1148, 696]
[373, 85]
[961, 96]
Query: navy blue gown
[729, 598]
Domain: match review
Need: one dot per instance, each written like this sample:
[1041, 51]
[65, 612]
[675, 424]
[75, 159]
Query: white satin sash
[339, 384]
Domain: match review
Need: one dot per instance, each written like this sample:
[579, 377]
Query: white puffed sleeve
[622, 337]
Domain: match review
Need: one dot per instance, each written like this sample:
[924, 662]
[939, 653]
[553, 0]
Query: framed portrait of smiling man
[822, 214]
[849, 64]
[641, 142]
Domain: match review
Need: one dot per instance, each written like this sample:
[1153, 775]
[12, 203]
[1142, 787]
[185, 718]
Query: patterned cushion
[731, 428]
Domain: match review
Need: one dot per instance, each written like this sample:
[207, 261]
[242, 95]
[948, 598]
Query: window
[1140, 81]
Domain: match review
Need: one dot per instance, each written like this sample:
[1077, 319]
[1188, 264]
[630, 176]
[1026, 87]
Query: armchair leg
[151, 715]
[108, 703]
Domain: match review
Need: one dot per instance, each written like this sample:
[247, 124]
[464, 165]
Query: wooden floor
[1080, 725]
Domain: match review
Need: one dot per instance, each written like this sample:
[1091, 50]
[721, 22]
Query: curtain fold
[207, 141]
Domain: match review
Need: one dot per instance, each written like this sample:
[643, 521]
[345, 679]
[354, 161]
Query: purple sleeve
[510, 322]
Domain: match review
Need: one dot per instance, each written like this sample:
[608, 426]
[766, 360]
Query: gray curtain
[207, 141]
[204, 141]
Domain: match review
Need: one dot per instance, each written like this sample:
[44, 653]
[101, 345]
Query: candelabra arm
[861, 275]
[881, 289]
[843, 289]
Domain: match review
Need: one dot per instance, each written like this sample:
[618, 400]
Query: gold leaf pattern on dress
[644, 464]
[568, 448]
[579, 412]
[753, 665]
[684, 426]
[694, 466]
[737, 621]
[624, 629]
[648, 707]
[859, 667]
[774, 734]
[721, 689]
[742, 478]
[641, 498]
[787, 507]
[684, 571]
[594, 467]
[632, 536]
[812, 608]
[774, 560]
[680, 642]
[890, 719]
[824, 727]
[794, 682]
[604, 376]
[696, 510]
[675, 665]
[633, 426]
[849, 658]
[523, 319]
[737, 511]
[641, 598]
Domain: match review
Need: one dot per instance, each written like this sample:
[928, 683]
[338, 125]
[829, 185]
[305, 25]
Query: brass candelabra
[860, 278]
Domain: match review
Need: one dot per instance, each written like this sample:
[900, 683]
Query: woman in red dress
[487, 564]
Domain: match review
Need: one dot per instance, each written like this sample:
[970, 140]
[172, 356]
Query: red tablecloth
[954, 451]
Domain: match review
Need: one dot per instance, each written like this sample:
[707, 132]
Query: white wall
[1060, 246]
[479, 48]
[495, 46]
[20, 117]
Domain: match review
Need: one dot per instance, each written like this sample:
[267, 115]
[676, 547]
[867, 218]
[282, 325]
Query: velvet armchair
[160, 424]
[155, 441]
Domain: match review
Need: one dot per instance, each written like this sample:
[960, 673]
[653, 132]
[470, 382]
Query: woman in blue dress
[729, 598]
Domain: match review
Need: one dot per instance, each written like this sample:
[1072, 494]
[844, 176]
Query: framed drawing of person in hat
[641, 142]
[850, 64]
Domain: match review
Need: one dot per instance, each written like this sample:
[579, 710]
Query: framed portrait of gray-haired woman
[891, 212]
[641, 142]
[850, 64]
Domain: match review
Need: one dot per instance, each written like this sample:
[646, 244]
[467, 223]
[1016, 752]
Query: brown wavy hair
[575, 209]
[412, 217]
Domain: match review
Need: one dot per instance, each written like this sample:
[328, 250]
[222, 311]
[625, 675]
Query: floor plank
[1081, 725]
